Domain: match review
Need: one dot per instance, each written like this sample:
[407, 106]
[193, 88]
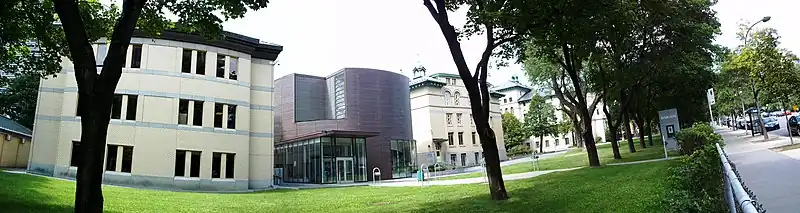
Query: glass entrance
[344, 170]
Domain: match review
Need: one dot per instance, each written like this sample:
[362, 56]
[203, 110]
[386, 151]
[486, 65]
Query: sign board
[670, 125]
[431, 157]
[710, 96]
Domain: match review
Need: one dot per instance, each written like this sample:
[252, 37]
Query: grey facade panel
[376, 101]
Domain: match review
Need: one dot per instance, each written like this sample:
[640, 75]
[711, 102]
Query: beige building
[517, 101]
[188, 113]
[15, 145]
[443, 125]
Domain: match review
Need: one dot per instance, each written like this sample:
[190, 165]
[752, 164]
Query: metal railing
[738, 197]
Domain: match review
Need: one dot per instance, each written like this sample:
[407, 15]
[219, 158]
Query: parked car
[793, 123]
[771, 124]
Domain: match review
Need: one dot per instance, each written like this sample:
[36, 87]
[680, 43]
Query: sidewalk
[772, 176]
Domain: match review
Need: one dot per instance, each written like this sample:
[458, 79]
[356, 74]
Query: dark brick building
[339, 128]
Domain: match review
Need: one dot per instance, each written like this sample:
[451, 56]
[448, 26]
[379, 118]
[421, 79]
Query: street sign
[710, 96]
[670, 125]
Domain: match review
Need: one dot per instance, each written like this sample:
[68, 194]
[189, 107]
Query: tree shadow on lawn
[29, 193]
[584, 190]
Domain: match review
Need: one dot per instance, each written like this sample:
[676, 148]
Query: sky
[320, 37]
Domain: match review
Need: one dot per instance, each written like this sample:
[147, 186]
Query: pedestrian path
[772, 176]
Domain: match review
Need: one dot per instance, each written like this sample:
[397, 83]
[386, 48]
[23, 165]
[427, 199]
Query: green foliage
[695, 184]
[514, 132]
[540, 119]
[19, 100]
[519, 150]
[696, 137]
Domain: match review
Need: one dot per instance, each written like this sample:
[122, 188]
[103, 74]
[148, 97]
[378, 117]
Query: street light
[753, 83]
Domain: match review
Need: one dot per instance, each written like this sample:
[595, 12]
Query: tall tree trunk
[640, 129]
[497, 187]
[588, 139]
[626, 126]
[650, 132]
[96, 92]
[614, 142]
[541, 143]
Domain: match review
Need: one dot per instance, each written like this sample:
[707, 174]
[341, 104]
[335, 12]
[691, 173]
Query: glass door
[344, 170]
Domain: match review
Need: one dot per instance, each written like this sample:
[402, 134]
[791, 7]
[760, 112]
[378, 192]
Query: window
[183, 111]
[231, 116]
[510, 99]
[116, 106]
[473, 138]
[471, 122]
[186, 61]
[556, 141]
[220, 169]
[102, 51]
[75, 159]
[180, 163]
[218, 114]
[456, 96]
[547, 143]
[220, 66]
[200, 67]
[130, 111]
[136, 56]
[111, 158]
[453, 159]
[477, 158]
[463, 159]
[505, 100]
[197, 120]
[450, 138]
[127, 158]
[339, 96]
[458, 118]
[234, 68]
[512, 109]
[449, 117]
[447, 97]
[460, 138]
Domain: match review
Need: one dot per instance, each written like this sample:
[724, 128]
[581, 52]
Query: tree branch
[79, 47]
[120, 40]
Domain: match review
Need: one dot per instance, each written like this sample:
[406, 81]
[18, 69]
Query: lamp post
[753, 82]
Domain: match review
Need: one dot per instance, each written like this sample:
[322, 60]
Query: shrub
[695, 137]
[695, 183]
[519, 150]
[598, 139]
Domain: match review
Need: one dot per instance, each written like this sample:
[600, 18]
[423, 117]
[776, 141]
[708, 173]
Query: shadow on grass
[29, 193]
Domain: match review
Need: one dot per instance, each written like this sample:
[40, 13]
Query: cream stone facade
[188, 113]
[443, 126]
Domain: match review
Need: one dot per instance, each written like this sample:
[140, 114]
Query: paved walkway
[772, 176]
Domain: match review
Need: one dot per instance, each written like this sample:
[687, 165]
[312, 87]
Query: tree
[541, 119]
[18, 102]
[497, 21]
[565, 126]
[81, 24]
[513, 131]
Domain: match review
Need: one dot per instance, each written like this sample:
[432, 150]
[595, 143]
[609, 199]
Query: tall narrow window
[453, 159]
[186, 61]
[458, 118]
[460, 138]
[216, 161]
[194, 171]
[218, 114]
[463, 159]
[111, 158]
[456, 97]
[220, 66]
[183, 111]
[229, 164]
[200, 68]
[127, 158]
[473, 139]
[75, 159]
[116, 106]
[130, 111]
[450, 138]
[231, 116]
[197, 119]
[477, 158]
[136, 56]
[180, 163]
[449, 117]
[102, 50]
[234, 68]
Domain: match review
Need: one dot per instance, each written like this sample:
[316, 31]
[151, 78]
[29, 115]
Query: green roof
[14, 127]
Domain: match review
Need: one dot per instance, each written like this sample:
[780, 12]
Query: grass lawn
[577, 158]
[619, 189]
